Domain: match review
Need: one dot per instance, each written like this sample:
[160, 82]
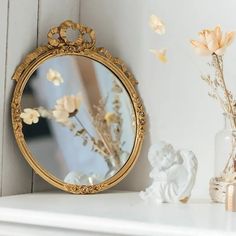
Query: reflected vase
[112, 167]
[115, 166]
[225, 156]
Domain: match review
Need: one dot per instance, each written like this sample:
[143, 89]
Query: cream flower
[44, 112]
[160, 54]
[54, 77]
[30, 116]
[212, 41]
[111, 117]
[61, 116]
[68, 103]
[157, 25]
[65, 107]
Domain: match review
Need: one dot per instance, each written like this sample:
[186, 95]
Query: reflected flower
[157, 25]
[111, 117]
[54, 77]
[61, 116]
[30, 116]
[160, 54]
[44, 112]
[212, 41]
[66, 107]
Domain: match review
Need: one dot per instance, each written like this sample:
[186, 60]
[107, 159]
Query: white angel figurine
[173, 174]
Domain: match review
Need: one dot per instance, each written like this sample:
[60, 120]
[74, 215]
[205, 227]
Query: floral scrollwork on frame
[16, 110]
[58, 37]
[29, 59]
[140, 115]
[118, 62]
[84, 189]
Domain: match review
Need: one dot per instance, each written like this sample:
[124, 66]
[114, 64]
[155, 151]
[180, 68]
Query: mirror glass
[78, 120]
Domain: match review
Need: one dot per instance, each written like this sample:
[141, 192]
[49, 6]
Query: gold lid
[230, 198]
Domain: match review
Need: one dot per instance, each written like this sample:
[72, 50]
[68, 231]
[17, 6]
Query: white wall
[3, 30]
[23, 25]
[19, 37]
[175, 98]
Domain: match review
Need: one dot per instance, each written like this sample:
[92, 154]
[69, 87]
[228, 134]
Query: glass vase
[224, 143]
[225, 156]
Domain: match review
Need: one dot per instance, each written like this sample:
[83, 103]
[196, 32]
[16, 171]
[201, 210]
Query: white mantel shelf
[110, 213]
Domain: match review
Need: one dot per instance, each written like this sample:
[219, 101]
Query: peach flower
[65, 107]
[212, 41]
[157, 25]
[160, 54]
[61, 116]
[54, 77]
[30, 116]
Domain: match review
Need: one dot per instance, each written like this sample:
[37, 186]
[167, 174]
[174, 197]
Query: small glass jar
[225, 160]
[224, 144]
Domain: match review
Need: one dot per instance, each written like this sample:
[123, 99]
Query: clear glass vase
[225, 160]
[224, 144]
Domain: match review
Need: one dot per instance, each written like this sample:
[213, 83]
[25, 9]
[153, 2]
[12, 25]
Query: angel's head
[161, 155]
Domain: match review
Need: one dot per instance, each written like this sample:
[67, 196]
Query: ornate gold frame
[84, 45]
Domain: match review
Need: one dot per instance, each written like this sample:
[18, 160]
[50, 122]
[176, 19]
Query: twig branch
[226, 92]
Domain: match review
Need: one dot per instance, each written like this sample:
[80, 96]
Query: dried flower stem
[81, 124]
[80, 133]
[101, 136]
[226, 92]
[225, 99]
[106, 145]
[105, 141]
[105, 130]
[230, 166]
[92, 139]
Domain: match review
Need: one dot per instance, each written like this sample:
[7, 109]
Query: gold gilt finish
[84, 45]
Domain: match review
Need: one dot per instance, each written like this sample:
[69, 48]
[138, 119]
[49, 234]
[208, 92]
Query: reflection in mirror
[78, 120]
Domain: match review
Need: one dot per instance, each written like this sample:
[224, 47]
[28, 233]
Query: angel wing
[191, 164]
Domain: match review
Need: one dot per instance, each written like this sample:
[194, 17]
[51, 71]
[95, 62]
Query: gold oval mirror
[76, 115]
